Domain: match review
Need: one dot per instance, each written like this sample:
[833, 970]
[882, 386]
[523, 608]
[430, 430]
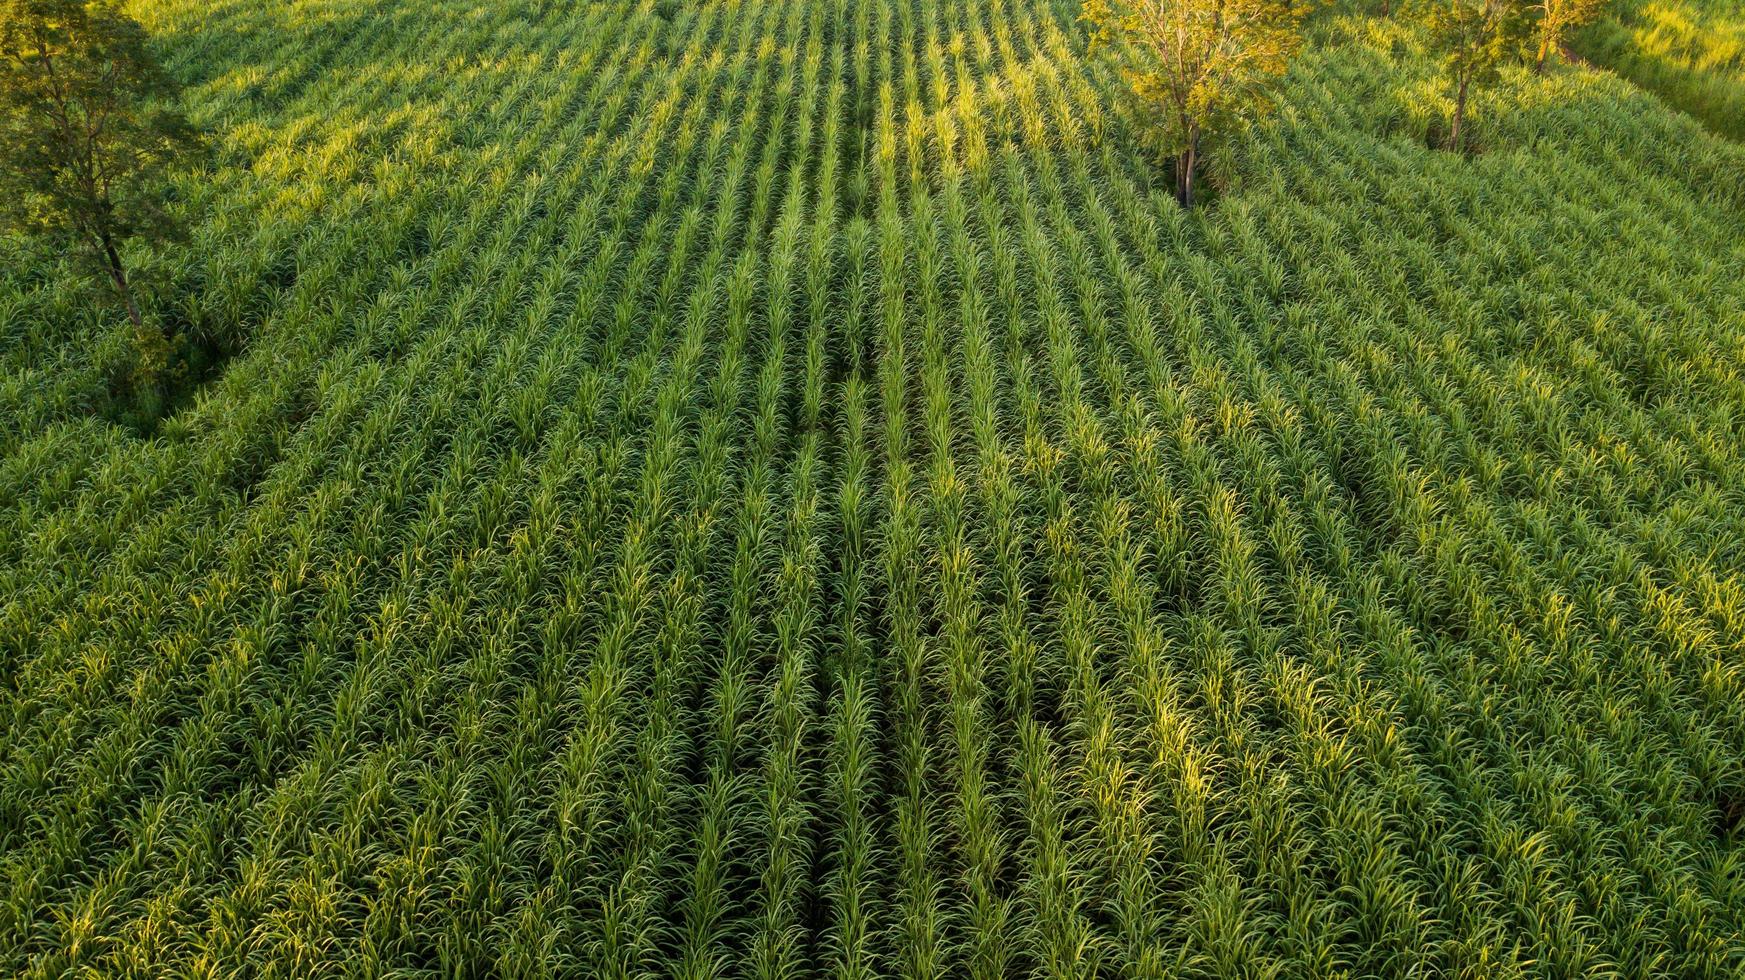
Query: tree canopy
[90, 131]
[1200, 70]
[1476, 37]
[1554, 19]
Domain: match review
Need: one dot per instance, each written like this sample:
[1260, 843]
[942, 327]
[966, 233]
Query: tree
[1475, 37]
[1200, 70]
[87, 134]
[1556, 18]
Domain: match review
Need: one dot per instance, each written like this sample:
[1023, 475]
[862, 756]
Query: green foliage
[1476, 38]
[772, 493]
[1199, 70]
[87, 132]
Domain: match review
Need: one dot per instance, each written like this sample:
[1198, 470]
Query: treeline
[1200, 71]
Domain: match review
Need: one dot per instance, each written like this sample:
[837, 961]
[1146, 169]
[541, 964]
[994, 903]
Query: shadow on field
[270, 189]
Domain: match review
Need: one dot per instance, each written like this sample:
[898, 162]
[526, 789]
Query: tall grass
[1689, 52]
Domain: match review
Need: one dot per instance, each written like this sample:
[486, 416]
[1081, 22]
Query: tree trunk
[118, 276]
[1459, 114]
[1185, 164]
[1544, 54]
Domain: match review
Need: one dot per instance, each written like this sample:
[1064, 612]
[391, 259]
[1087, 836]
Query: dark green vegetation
[89, 136]
[781, 489]
[88, 132]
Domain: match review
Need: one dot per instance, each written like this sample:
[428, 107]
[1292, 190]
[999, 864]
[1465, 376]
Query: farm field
[780, 489]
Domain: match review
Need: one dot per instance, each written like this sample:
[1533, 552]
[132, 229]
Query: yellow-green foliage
[1689, 52]
[1198, 70]
[780, 489]
[1553, 21]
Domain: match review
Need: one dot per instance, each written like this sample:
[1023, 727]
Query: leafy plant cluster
[768, 491]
